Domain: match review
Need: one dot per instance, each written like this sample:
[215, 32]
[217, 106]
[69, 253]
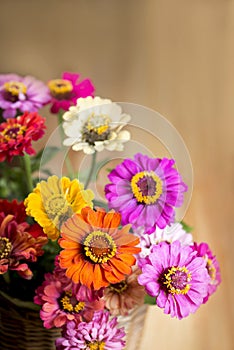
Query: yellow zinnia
[54, 201]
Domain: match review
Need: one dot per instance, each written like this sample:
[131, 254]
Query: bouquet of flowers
[86, 263]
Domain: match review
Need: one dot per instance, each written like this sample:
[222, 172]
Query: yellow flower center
[211, 269]
[97, 345]
[176, 280]
[5, 247]
[97, 128]
[99, 247]
[70, 304]
[12, 131]
[119, 287]
[146, 187]
[13, 89]
[60, 88]
[57, 209]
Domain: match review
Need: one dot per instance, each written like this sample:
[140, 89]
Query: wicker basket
[21, 327]
[134, 326]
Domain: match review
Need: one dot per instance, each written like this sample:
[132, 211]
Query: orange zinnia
[95, 251]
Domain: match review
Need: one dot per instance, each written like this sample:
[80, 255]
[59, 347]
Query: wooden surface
[176, 57]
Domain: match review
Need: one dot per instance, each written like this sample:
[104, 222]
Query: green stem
[28, 172]
[94, 156]
[67, 159]
[6, 277]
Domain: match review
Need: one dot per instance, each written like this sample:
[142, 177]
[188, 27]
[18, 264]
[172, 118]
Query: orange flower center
[60, 89]
[99, 247]
[12, 131]
[13, 89]
[5, 247]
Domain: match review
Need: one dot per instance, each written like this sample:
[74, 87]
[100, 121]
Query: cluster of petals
[59, 303]
[15, 208]
[145, 191]
[171, 233]
[122, 297]
[95, 124]
[176, 277]
[20, 94]
[17, 134]
[18, 247]
[95, 251]
[65, 91]
[212, 265]
[53, 201]
[101, 333]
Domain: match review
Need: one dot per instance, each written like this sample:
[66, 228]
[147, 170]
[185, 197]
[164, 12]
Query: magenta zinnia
[102, 333]
[212, 265]
[17, 134]
[66, 91]
[145, 191]
[20, 94]
[176, 277]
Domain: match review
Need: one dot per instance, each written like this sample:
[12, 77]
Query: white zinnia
[174, 232]
[95, 124]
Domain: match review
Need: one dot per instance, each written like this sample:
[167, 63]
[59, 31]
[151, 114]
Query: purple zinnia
[212, 265]
[66, 90]
[145, 191]
[176, 276]
[20, 94]
[101, 333]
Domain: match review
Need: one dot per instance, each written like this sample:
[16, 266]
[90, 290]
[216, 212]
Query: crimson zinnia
[17, 134]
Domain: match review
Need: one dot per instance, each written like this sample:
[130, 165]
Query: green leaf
[100, 204]
[43, 157]
[186, 227]
[48, 154]
[150, 300]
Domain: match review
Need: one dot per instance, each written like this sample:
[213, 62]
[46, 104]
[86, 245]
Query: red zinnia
[13, 208]
[17, 134]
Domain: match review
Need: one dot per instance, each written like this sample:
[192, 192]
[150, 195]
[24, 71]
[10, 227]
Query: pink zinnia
[18, 246]
[17, 134]
[20, 94]
[176, 277]
[101, 333]
[212, 265]
[66, 91]
[60, 304]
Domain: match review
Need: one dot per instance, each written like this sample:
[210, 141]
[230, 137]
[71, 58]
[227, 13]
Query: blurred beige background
[176, 57]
